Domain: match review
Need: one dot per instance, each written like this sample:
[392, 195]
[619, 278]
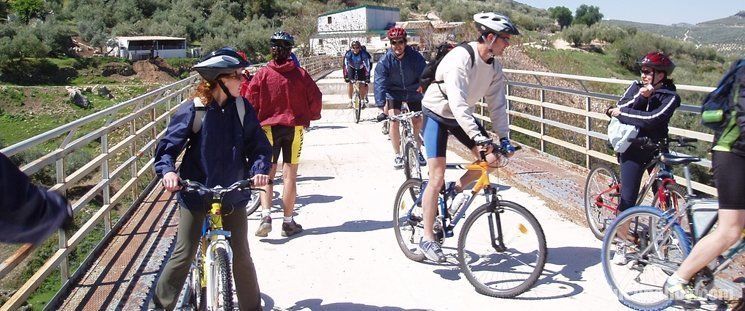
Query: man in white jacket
[464, 76]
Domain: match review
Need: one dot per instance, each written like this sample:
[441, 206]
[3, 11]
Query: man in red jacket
[286, 99]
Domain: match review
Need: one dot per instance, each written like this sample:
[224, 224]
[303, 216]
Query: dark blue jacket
[651, 115]
[28, 214]
[398, 79]
[221, 153]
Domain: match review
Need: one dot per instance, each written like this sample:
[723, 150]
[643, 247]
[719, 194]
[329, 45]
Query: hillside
[726, 35]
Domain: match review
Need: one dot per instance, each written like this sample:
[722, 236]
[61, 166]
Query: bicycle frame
[213, 237]
[656, 174]
[482, 183]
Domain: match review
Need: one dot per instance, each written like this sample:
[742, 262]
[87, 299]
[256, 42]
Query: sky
[664, 12]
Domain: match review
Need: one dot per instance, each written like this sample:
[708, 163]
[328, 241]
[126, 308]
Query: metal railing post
[543, 119]
[509, 106]
[587, 131]
[105, 178]
[132, 153]
[64, 268]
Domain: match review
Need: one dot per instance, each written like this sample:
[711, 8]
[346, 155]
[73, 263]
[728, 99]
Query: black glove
[607, 111]
[346, 79]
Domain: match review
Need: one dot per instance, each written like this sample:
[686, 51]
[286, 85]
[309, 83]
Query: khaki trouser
[177, 269]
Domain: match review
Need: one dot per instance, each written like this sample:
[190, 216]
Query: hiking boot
[431, 250]
[264, 227]
[420, 157]
[291, 228]
[398, 162]
[381, 117]
[681, 294]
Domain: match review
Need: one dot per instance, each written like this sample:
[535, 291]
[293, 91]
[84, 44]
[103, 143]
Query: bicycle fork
[494, 220]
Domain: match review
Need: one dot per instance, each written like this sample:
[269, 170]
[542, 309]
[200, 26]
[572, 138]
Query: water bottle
[455, 206]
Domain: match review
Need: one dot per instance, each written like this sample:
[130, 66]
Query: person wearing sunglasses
[397, 81]
[225, 148]
[357, 68]
[647, 104]
[286, 99]
[464, 76]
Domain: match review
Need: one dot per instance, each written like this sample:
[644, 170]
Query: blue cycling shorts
[435, 134]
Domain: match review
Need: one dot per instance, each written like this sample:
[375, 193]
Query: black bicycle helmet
[356, 43]
[222, 61]
[283, 36]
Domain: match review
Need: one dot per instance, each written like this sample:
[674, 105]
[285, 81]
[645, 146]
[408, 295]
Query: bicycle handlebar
[664, 143]
[195, 186]
[496, 149]
[404, 116]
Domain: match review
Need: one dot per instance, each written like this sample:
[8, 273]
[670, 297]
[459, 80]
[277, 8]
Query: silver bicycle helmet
[222, 61]
[491, 22]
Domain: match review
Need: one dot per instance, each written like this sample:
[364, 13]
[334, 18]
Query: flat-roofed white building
[366, 23]
[144, 47]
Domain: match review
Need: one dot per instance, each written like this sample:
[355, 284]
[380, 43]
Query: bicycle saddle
[671, 159]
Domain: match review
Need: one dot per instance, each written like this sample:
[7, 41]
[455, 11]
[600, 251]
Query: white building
[144, 47]
[365, 23]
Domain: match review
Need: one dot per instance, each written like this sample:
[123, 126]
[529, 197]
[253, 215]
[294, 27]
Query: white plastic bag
[619, 134]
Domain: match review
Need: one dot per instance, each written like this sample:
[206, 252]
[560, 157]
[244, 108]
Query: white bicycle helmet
[494, 23]
[221, 61]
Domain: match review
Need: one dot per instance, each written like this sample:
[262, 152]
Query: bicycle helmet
[657, 61]
[396, 33]
[283, 36]
[491, 22]
[221, 61]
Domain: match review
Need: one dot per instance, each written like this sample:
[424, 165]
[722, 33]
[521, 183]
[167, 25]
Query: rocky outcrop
[75, 95]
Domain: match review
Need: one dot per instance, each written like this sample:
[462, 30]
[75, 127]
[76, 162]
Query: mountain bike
[409, 146]
[357, 104]
[662, 243]
[211, 283]
[602, 187]
[253, 202]
[501, 247]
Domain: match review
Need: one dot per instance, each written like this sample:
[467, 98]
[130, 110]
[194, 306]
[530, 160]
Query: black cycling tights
[632, 162]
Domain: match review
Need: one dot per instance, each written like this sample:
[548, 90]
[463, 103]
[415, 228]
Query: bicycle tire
[356, 106]
[474, 266]
[408, 228]
[253, 203]
[224, 281]
[600, 179]
[653, 267]
[411, 161]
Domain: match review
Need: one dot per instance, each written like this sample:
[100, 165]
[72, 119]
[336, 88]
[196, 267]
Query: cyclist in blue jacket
[28, 213]
[357, 67]
[222, 151]
[397, 81]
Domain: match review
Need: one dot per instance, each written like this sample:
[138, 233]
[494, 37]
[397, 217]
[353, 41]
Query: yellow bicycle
[211, 283]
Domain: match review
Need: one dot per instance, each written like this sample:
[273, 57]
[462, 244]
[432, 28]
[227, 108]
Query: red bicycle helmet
[657, 61]
[396, 33]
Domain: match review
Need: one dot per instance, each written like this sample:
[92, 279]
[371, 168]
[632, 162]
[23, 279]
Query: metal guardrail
[522, 83]
[122, 138]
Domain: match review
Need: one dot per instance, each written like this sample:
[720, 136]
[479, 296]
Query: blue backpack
[716, 111]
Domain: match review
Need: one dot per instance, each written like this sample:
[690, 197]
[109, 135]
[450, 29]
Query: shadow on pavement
[317, 304]
[300, 179]
[349, 226]
[305, 200]
[574, 262]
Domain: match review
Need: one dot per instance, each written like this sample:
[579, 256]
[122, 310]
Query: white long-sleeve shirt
[464, 87]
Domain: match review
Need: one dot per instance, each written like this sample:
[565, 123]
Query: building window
[344, 42]
[320, 41]
[328, 20]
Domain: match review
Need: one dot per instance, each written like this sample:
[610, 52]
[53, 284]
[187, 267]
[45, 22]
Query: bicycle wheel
[253, 203]
[356, 105]
[223, 282]
[197, 293]
[502, 250]
[407, 218]
[411, 161]
[601, 193]
[637, 277]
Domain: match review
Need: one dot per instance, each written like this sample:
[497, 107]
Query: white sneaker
[398, 162]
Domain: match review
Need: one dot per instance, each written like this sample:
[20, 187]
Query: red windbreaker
[284, 95]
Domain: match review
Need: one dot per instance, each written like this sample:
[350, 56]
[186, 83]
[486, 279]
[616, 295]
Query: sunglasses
[647, 72]
[280, 46]
[397, 42]
[506, 39]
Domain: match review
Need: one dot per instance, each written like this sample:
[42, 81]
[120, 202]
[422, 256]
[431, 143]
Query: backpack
[200, 110]
[428, 74]
[716, 110]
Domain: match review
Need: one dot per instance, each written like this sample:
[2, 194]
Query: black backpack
[716, 111]
[428, 75]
